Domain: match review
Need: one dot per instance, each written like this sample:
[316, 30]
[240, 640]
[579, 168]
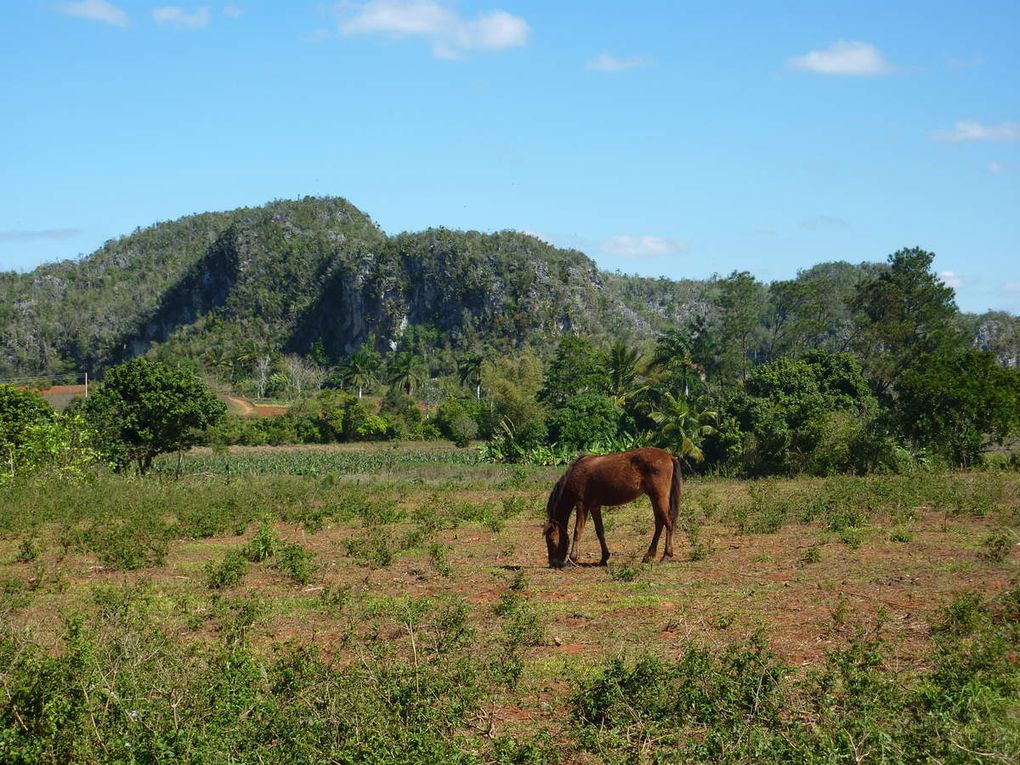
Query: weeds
[623, 572]
[996, 546]
[227, 572]
[811, 555]
[28, 549]
[371, 549]
[263, 545]
[296, 563]
[437, 557]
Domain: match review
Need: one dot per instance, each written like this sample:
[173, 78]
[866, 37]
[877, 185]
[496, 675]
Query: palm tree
[623, 371]
[469, 371]
[360, 369]
[673, 354]
[682, 426]
[407, 372]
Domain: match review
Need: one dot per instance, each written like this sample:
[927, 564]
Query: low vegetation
[322, 616]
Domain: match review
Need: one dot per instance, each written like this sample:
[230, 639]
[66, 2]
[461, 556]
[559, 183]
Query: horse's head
[556, 540]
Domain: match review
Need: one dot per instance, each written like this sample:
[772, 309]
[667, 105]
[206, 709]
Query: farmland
[267, 597]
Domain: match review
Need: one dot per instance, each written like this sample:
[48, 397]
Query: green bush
[226, 572]
[297, 563]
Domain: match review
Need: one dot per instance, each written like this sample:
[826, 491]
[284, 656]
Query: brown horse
[613, 479]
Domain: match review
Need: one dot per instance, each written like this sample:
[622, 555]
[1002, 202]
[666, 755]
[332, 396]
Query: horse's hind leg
[660, 507]
[596, 515]
[659, 523]
[579, 521]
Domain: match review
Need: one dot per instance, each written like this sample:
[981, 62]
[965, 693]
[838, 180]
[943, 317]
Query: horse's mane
[557, 492]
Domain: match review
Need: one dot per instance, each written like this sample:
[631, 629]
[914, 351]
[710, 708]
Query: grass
[408, 615]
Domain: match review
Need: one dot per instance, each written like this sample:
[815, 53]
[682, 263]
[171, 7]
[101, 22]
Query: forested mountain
[316, 276]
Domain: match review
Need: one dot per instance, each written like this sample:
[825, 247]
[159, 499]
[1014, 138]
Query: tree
[263, 366]
[904, 313]
[793, 405]
[303, 377]
[469, 371]
[360, 370]
[20, 412]
[579, 367]
[736, 336]
[144, 408]
[407, 371]
[622, 365]
[512, 384]
[682, 427]
[674, 356]
[586, 420]
[956, 405]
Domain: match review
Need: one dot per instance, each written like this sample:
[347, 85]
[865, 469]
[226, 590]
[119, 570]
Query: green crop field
[393, 604]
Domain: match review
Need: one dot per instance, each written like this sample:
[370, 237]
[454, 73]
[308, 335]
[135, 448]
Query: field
[393, 604]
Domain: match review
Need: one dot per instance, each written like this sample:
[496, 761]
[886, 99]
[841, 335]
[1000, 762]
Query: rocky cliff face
[292, 275]
[317, 273]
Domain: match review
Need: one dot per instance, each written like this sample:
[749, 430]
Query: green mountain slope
[318, 274]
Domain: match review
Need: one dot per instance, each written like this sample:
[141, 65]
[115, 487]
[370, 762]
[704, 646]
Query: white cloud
[975, 131]
[451, 35]
[28, 235]
[995, 167]
[233, 12]
[176, 16]
[951, 279]
[609, 63]
[1010, 288]
[823, 221]
[641, 246]
[858, 59]
[96, 10]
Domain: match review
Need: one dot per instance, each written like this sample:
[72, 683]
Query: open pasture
[395, 604]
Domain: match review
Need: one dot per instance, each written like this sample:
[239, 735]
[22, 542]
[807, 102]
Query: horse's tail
[676, 490]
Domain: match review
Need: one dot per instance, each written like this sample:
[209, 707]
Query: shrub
[263, 545]
[227, 572]
[297, 563]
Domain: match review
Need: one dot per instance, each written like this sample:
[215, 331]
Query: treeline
[841, 370]
[879, 375]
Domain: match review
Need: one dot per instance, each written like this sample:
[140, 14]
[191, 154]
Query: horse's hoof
[646, 559]
[665, 558]
[604, 561]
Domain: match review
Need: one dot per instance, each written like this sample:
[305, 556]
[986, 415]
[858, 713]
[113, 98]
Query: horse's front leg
[596, 515]
[579, 521]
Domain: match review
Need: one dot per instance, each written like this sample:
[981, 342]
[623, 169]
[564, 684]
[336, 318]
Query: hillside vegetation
[317, 276]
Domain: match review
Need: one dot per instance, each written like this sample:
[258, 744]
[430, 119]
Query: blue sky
[663, 138]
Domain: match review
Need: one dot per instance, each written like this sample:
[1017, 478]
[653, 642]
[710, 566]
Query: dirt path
[247, 410]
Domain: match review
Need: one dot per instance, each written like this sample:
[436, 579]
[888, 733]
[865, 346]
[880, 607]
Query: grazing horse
[613, 479]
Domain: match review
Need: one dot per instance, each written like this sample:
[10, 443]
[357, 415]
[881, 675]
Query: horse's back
[618, 478]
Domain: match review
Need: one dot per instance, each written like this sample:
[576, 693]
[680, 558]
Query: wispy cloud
[41, 234]
[823, 221]
[233, 12]
[852, 59]
[451, 35]
[641, 246]
[96, 10]
[955, 62]
[606, 62]
[995, 167]
[175, 16]
[975, 131]
[951, 279]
